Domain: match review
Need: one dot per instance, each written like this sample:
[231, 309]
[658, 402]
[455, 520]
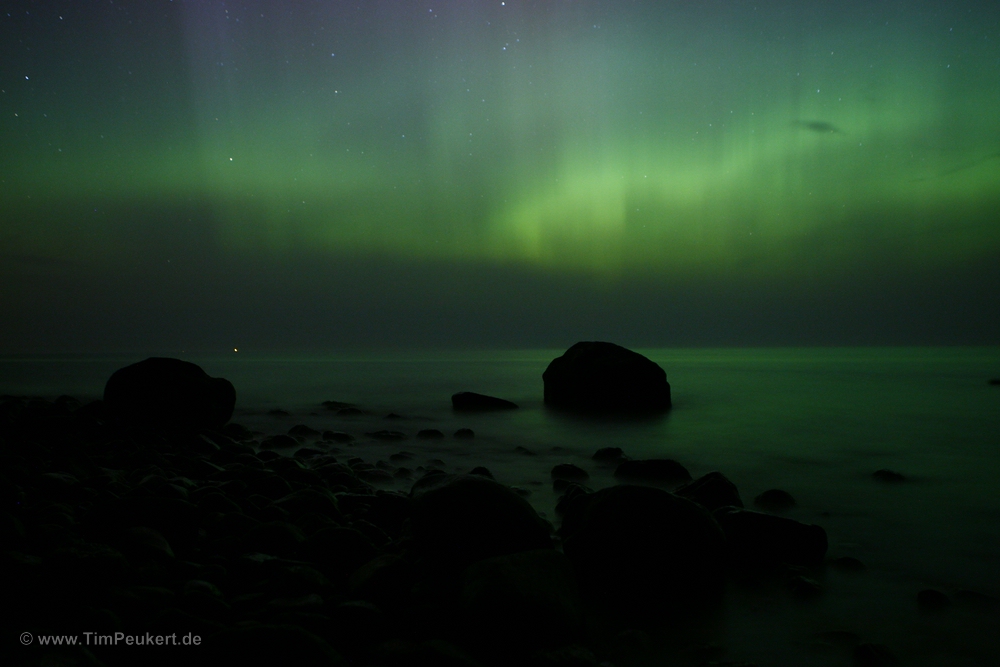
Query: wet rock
[268, 645]
[385, 580]
[994, 382]
[303, 431]
[848, 564]
[436, 652]
[482, 471]
[277, 538]
[429, 434]
[465, 433]
[774, 500]
[933, 600]
[573, 655]
[387, 435]
[712, 491]
[605, 378]
[757, 538]
[652, 471]
[470, 401]
[874, 655]
[570, 473]
[609, 455]
[337, 436]
[888, 476]
[169, 393]
[460, 519]
[237, 432]
[977, 601]
[523, 451]
[279, 442]
[521, 602]
[350, 412]
[644, 552]
[804, 588]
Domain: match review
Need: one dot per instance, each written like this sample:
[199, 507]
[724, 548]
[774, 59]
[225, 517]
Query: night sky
[284, 175]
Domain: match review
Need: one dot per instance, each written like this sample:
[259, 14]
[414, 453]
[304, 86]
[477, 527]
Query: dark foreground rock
[598, 377]
[652, 471]
[470, 401]
[169, 393]
[641, 551]
[757, 538]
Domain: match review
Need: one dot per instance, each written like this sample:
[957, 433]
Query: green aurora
[652, 141]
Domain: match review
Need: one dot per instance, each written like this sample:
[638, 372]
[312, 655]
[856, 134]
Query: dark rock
[483, 471]
[521, 602]
[337, 436]
[460, 519]
[570, 473]
[470, 401]
[644, 552]
[350, 412]
[848, 564]
[303, 431]
[712, 491]
[429, 433]
[652, 471]
[977, 601]
[276, 538]
[605, 378]
[385, 580]
[387, 435]
[337, 405]
[758, 538]
[874, 655]
[237, 432]
[994, 381]
[572, 655]
[277, 412]
[889, 476]
[774, 500]
[610, 455]
[169, 393]
[523, 450]
[933, 600]
[393, 415]
[465, 433]
[428, 653]
[279, 442]
[267, 645]
[804, 587]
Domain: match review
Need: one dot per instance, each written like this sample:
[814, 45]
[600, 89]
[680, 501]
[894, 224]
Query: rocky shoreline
[238, 547]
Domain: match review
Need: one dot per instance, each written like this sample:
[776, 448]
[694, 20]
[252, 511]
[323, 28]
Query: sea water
[815, 422]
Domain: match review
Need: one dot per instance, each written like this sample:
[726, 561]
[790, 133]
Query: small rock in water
[570, 472]
[393, 415]
[429, 433]
[481, 471]
[350, 412]
[386, 435]
[303, 430]
[470, 401]
[337, 436]
[774, 500]
[887, 476]
[279, 442]
[933, 600]
[994, 382]
[277, 412]
[613, 455]
[465, 433]
[523, 450]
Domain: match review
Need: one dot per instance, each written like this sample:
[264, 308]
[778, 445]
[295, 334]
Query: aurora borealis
[670, 172]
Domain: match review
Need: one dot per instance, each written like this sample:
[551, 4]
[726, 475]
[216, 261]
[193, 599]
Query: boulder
[652, 471]
[470, 401]
[597, 377]
[775, 500]
[757, 538]
[712, 491]
[644, 552]
[460, 519]
[163, 393]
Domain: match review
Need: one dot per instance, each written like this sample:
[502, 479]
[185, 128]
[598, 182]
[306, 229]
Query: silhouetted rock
[303, 431]
[652, 471]
[521, 602]
[470, 401]
[465, 433]
[933, 600]
[387, 435]
[643, 551]
[570, 472]
[169, 393]
[888, 476]
[460, 519]
[429, 433]
[611, 455]
[596, 377]
[874, 655]
[759, 538]
[712, 491]
[774, 500]
[994, 382]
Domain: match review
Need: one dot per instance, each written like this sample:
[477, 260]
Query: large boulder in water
[169, 393]
[756, 538]
[641, 551]
[608, 378]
